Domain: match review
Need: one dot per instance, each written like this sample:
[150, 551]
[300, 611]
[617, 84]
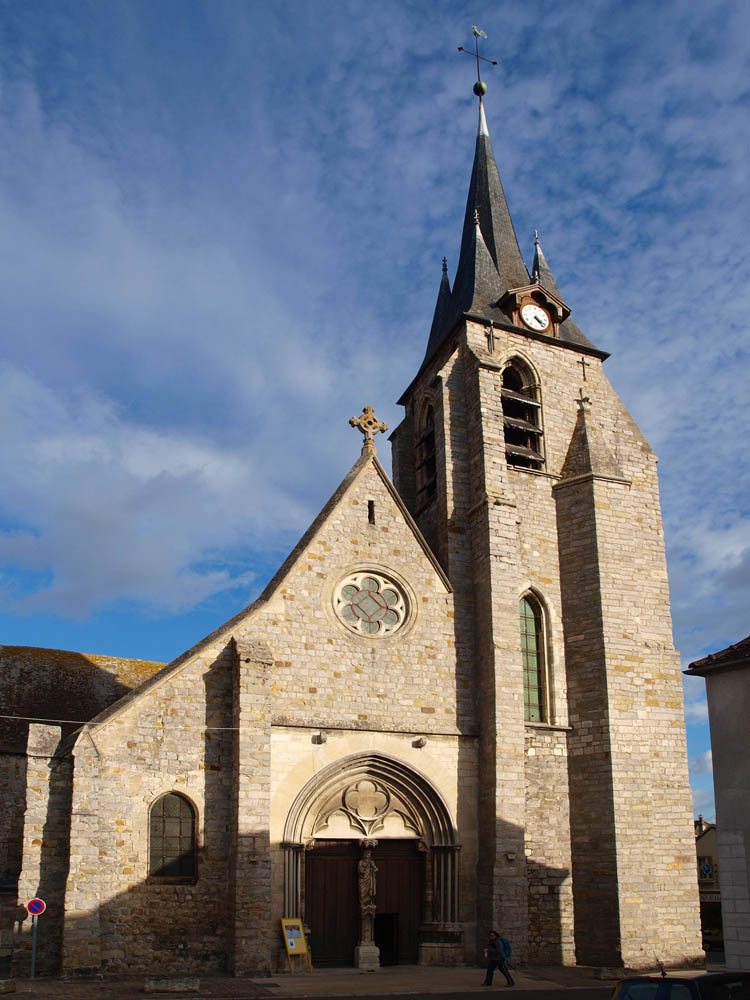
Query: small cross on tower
[369, 425]
[583, 402]
[584, 365]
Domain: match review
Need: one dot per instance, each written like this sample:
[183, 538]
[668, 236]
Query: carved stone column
[441, 935]
[292, 878]
[445, 884]
[367, 953]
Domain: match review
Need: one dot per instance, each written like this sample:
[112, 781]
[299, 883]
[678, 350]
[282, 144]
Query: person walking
[496, 953]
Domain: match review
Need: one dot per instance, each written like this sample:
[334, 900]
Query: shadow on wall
[169, 924]
[187, 925]
[59, 689]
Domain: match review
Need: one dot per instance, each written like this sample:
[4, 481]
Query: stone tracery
[368, 790]
[370, 604]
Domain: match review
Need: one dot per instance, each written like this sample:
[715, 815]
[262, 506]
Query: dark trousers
[497, 964]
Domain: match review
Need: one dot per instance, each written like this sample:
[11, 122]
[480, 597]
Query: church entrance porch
[332, 909]
[370, 858]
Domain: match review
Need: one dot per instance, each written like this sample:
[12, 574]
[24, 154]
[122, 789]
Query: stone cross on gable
[369, 425]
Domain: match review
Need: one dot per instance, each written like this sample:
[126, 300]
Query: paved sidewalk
[406, 979]
[392, 980]
[388, 981]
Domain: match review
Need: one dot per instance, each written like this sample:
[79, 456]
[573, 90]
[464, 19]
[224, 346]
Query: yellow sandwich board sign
[295, 940]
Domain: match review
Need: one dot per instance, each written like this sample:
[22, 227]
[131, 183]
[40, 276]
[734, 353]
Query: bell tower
[539, 496]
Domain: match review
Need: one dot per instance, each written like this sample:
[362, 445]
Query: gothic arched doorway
[371, 803]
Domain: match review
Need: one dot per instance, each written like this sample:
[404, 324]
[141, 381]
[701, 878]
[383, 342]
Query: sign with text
[295, 941]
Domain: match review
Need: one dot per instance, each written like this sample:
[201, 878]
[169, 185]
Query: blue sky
[221, 227]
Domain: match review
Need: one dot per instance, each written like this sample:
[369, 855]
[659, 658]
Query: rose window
[370, 604]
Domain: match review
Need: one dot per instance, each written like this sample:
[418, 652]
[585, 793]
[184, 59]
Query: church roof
[487, 198]
[61, 687]
[540, 270]
[443, 314]
[736, 655]
[490, 261]
[477, 280]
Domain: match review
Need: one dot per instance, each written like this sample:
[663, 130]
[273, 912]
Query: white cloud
[696, 712]
[227, 268]
[702, 764]
[696, 706]
[703, 803]
[106, 509]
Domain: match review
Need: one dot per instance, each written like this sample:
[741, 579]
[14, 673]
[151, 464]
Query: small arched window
[426, 469]
[172, 838]
[532, 655]
[522, 417]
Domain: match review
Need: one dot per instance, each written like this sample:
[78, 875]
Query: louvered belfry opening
[426, 468]
[522, 413]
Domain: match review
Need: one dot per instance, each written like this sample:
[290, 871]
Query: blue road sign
[36, 906]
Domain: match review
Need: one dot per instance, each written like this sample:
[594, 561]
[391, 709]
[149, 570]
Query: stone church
[463, 675]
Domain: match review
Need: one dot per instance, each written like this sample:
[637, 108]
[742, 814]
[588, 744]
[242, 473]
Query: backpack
[506, 946]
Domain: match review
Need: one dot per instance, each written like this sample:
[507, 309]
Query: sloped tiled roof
[737, 655]
[61, 687]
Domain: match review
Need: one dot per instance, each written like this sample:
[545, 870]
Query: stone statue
[367, 871]
[367, 953]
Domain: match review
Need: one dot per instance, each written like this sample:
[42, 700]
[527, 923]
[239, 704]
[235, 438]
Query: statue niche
[367, 953]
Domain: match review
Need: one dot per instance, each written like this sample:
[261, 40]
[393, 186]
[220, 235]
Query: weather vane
[480, 87]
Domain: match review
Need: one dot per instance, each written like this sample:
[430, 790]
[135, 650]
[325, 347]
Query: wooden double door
[332, 904]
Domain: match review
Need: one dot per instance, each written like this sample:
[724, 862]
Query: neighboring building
[707, 856]
[468, 671]
[727, 675]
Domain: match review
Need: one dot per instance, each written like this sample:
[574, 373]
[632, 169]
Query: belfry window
[426, 470]
[522, 418]
[532, 655]
[172, 838]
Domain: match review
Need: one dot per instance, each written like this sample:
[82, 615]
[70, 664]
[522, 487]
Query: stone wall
[324, 674]
[593, 554]
[44, 862]
[322, 677]
[174, 737]
[51, 684]
[250, 855]
[449, 763]
[13, 784]
[547, 845]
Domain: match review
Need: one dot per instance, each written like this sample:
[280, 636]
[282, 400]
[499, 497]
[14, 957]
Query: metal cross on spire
[480, 87]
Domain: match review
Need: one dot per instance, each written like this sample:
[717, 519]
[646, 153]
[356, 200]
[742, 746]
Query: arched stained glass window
[532, 653]
[172, 837]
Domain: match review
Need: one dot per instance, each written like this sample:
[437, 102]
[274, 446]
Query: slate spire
[477, 281]
[486, 196]
[443, 314]
[540, 271]
[490, 262]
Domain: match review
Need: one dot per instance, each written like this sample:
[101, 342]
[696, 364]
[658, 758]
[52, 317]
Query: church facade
[464, 675]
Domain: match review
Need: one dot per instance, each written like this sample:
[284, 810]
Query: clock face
[534, 316]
